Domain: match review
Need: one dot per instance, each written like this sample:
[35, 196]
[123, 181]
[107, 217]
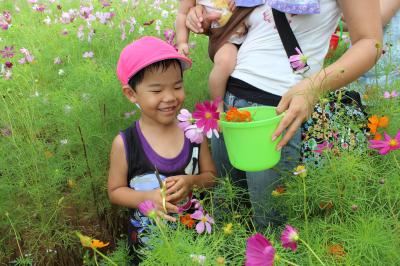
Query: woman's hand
[298, 104]
[178, 187]
[197, 20]
[158, 201]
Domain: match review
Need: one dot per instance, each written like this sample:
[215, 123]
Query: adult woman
[262, 65]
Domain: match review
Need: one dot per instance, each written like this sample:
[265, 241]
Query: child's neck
[157, 128]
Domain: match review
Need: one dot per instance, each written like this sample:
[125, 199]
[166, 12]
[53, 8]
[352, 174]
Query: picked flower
[206, 116]
[205, 221]
[236, 115]
[194, 134]
[187, 220]
[386, 145]
[259, 251]
[298, 61]
[185, 119]
[290, 237]
[148, 208]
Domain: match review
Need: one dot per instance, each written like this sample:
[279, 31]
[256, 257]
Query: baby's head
[150, 71]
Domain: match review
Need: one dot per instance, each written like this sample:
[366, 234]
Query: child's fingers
[171, 207]
[165, 216]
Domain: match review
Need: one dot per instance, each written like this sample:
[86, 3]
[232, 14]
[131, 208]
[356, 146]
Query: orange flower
[279, 190]
[383, 121]
[98, 244]
[187, 220]
[234, 115]
[336, 250]
[376, 122]
[373, 125]
[378, 136]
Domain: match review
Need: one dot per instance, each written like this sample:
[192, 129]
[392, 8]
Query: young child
[151, 73]
[225, 57]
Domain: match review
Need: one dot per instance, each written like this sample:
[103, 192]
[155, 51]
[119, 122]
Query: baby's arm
[182, 32]
[179, 186]
[118, 191]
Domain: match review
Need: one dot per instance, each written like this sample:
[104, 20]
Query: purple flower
[5, 132]
[148, 208]
[205, 221]
[8, 64]
[387, 145]
[7, 52]
[28, 58]
[299, 61]
[289, 238]
[259, 251]
[57, 61]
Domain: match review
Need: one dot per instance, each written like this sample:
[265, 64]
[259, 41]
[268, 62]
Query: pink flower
[289, 238]
[57, 60]
[185, 119]
[169, 36]
[148, 208]
[205, 221]
[194, 134]
[259, 251]
[388, 95]
[387, 145]
[207, 116]
[89, 54]
[323, 146]
[299, 61]
[7, 52]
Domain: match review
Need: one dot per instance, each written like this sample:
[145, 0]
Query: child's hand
[158, 201]
[183, 48]
[178, 187]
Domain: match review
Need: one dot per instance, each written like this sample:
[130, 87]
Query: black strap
[286, 34]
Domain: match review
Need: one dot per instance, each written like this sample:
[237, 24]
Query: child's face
[160, 95]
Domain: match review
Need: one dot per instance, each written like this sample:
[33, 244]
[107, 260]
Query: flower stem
[395, 159]
[15, 233]
[312, 251]
[105, 257]
[305, 211]
[162, 231]
[288, 262]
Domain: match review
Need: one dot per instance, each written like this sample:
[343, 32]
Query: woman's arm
[118, 191]
[388, 9]
[365, 28]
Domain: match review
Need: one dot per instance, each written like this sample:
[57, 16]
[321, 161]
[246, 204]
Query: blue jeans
[259, 184]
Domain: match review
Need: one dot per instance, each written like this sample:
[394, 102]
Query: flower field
[61, 106]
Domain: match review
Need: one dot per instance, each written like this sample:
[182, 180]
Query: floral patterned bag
[338, 123]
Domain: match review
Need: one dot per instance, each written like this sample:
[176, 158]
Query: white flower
[61, 72]
[47, 20]
[164, 14]
[64, 141]
[67, 109]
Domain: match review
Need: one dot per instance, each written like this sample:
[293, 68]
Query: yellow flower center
[204, 219]
[393, 143]
[208, 115]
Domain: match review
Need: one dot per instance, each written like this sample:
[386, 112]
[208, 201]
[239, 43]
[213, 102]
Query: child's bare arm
[181, 185]
[388, 9]
[182, 32]
[118, 191]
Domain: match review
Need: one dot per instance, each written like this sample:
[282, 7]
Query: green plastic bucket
[249, 144]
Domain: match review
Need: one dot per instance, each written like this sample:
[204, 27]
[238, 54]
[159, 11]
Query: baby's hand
[178, 187]
[183, 48]
[158, 201]
[231, 5]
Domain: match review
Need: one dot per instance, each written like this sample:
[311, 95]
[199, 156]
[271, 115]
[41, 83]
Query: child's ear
[129, 93]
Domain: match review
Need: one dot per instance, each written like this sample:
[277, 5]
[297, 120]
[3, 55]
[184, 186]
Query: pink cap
[143, 52]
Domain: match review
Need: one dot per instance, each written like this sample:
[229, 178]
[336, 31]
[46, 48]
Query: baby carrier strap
[219, 36]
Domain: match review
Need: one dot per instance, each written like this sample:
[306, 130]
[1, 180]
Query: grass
[56, 135]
